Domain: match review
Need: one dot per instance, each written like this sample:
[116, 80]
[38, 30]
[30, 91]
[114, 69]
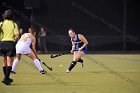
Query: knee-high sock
[4, 70]
[80, 60]
[8, 70]
[14, 64]
[38, 65]
[72, 65]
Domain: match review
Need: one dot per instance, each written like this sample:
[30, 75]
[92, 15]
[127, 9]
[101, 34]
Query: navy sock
[72, 65]
[8, 70]
[80, 60]
[4, 70]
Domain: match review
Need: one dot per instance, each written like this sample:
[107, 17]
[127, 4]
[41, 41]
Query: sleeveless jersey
[78, 44]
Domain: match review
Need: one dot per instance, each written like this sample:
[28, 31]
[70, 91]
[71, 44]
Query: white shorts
[22, 49]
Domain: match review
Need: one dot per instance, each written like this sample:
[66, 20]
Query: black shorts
[7, 48]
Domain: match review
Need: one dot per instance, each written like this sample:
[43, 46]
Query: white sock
[38, 65]
[14, 64]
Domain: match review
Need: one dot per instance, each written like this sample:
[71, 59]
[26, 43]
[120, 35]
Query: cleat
[13, 72]
[82, 65]
[68, 71]
[6, 82]
[43, 72]
[11, 80]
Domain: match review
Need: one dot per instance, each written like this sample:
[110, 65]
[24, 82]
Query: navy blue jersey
[78, 44]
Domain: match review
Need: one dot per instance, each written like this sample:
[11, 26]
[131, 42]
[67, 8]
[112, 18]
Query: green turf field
[102, 73]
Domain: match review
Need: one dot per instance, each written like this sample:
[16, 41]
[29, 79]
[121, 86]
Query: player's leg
[8, 63]
[76, 56]
[81, 60]
[5, 68]
[4, 65]
[8, 52]
[16, 61]
[36, 62]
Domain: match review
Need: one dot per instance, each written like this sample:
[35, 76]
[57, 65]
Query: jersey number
[24, 38]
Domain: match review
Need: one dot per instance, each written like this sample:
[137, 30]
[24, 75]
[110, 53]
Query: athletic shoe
[82, 64]
[6, 82]
[68, 71]
[13, 72]
[9, 79]
[43, 72]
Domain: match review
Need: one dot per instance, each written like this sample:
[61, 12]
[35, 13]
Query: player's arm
[1, 30]
[16, 32]
[73, 47]
[83, 39]
[33, 45]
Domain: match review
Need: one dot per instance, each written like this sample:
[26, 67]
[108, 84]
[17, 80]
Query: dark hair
[72, 29]
[3, 16]
[8, 14]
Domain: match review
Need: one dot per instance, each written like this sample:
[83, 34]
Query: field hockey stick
[50, 68]
[59, 54]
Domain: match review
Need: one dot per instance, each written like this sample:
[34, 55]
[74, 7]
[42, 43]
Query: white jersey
[23, 45]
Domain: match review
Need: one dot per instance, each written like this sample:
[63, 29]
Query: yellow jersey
[10, 30]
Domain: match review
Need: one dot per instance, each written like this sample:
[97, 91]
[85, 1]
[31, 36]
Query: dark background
[110, 26]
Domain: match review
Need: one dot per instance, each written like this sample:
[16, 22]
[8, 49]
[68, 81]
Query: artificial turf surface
[102, 73]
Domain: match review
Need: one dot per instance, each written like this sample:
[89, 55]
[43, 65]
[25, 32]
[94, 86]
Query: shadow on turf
[111, 71]
[53, 77]
[69, 84]
[135, 60]
[46, 84]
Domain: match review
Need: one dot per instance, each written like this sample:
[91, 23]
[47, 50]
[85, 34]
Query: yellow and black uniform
[9, 30]
[8, 34]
